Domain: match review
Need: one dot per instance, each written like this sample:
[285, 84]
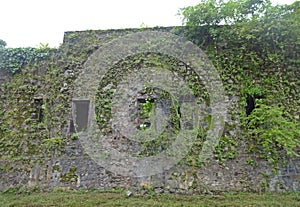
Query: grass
[112, 199]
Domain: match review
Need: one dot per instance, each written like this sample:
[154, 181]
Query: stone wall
[76, 170]
[75, 167]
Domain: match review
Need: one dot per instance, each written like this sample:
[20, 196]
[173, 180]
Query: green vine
[273, 133]
[14, 59]
[256, 60]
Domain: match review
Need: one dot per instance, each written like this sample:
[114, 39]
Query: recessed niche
[80, 109]
[250, 105]
[71, 127]
[145, 107]
[38, 115]
[144, 100]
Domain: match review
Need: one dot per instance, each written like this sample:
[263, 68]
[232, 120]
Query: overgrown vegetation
[14, 59]
[274, 132]
[152, 97]
[33, 106]
[255, 46]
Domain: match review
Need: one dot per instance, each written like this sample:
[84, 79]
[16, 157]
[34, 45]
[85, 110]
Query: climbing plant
[274, 133]
[255, 47]
[14, 59]
[33, 108]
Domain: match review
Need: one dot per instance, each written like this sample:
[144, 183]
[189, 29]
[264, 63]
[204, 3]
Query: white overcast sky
[26, 23]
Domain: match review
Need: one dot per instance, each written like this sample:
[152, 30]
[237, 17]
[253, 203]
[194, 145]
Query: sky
[28, 23]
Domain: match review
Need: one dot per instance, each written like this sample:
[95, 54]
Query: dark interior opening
[144, 100]
[38, 102]
[250, 105]
[72, 127]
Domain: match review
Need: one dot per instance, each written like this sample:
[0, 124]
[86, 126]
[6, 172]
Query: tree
[255, 26]
[215, 12]
[2, 43]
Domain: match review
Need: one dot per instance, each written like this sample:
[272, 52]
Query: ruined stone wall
[69, 162]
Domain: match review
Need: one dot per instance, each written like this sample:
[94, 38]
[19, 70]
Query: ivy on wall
[256, 58]
[274, 132]
[14, 59]
[257, 55]
[33, 108]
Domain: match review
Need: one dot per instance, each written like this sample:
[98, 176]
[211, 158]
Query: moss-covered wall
[4, 76]
[39, 149]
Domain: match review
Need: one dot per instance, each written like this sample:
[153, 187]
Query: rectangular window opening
[80, 119]
[38, 115]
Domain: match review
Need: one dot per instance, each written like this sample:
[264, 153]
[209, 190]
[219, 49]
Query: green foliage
[146, 108]
[255, 46]
[2, 43]
[226, 149]
[70, 177]
[273, 133]
[256, 53]
[21, 132]
[214, 12]
[259, 32]
[163, 140]
[193, 158]
[114, 198]
[14, 59]
[52, 143]
[250, 89]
